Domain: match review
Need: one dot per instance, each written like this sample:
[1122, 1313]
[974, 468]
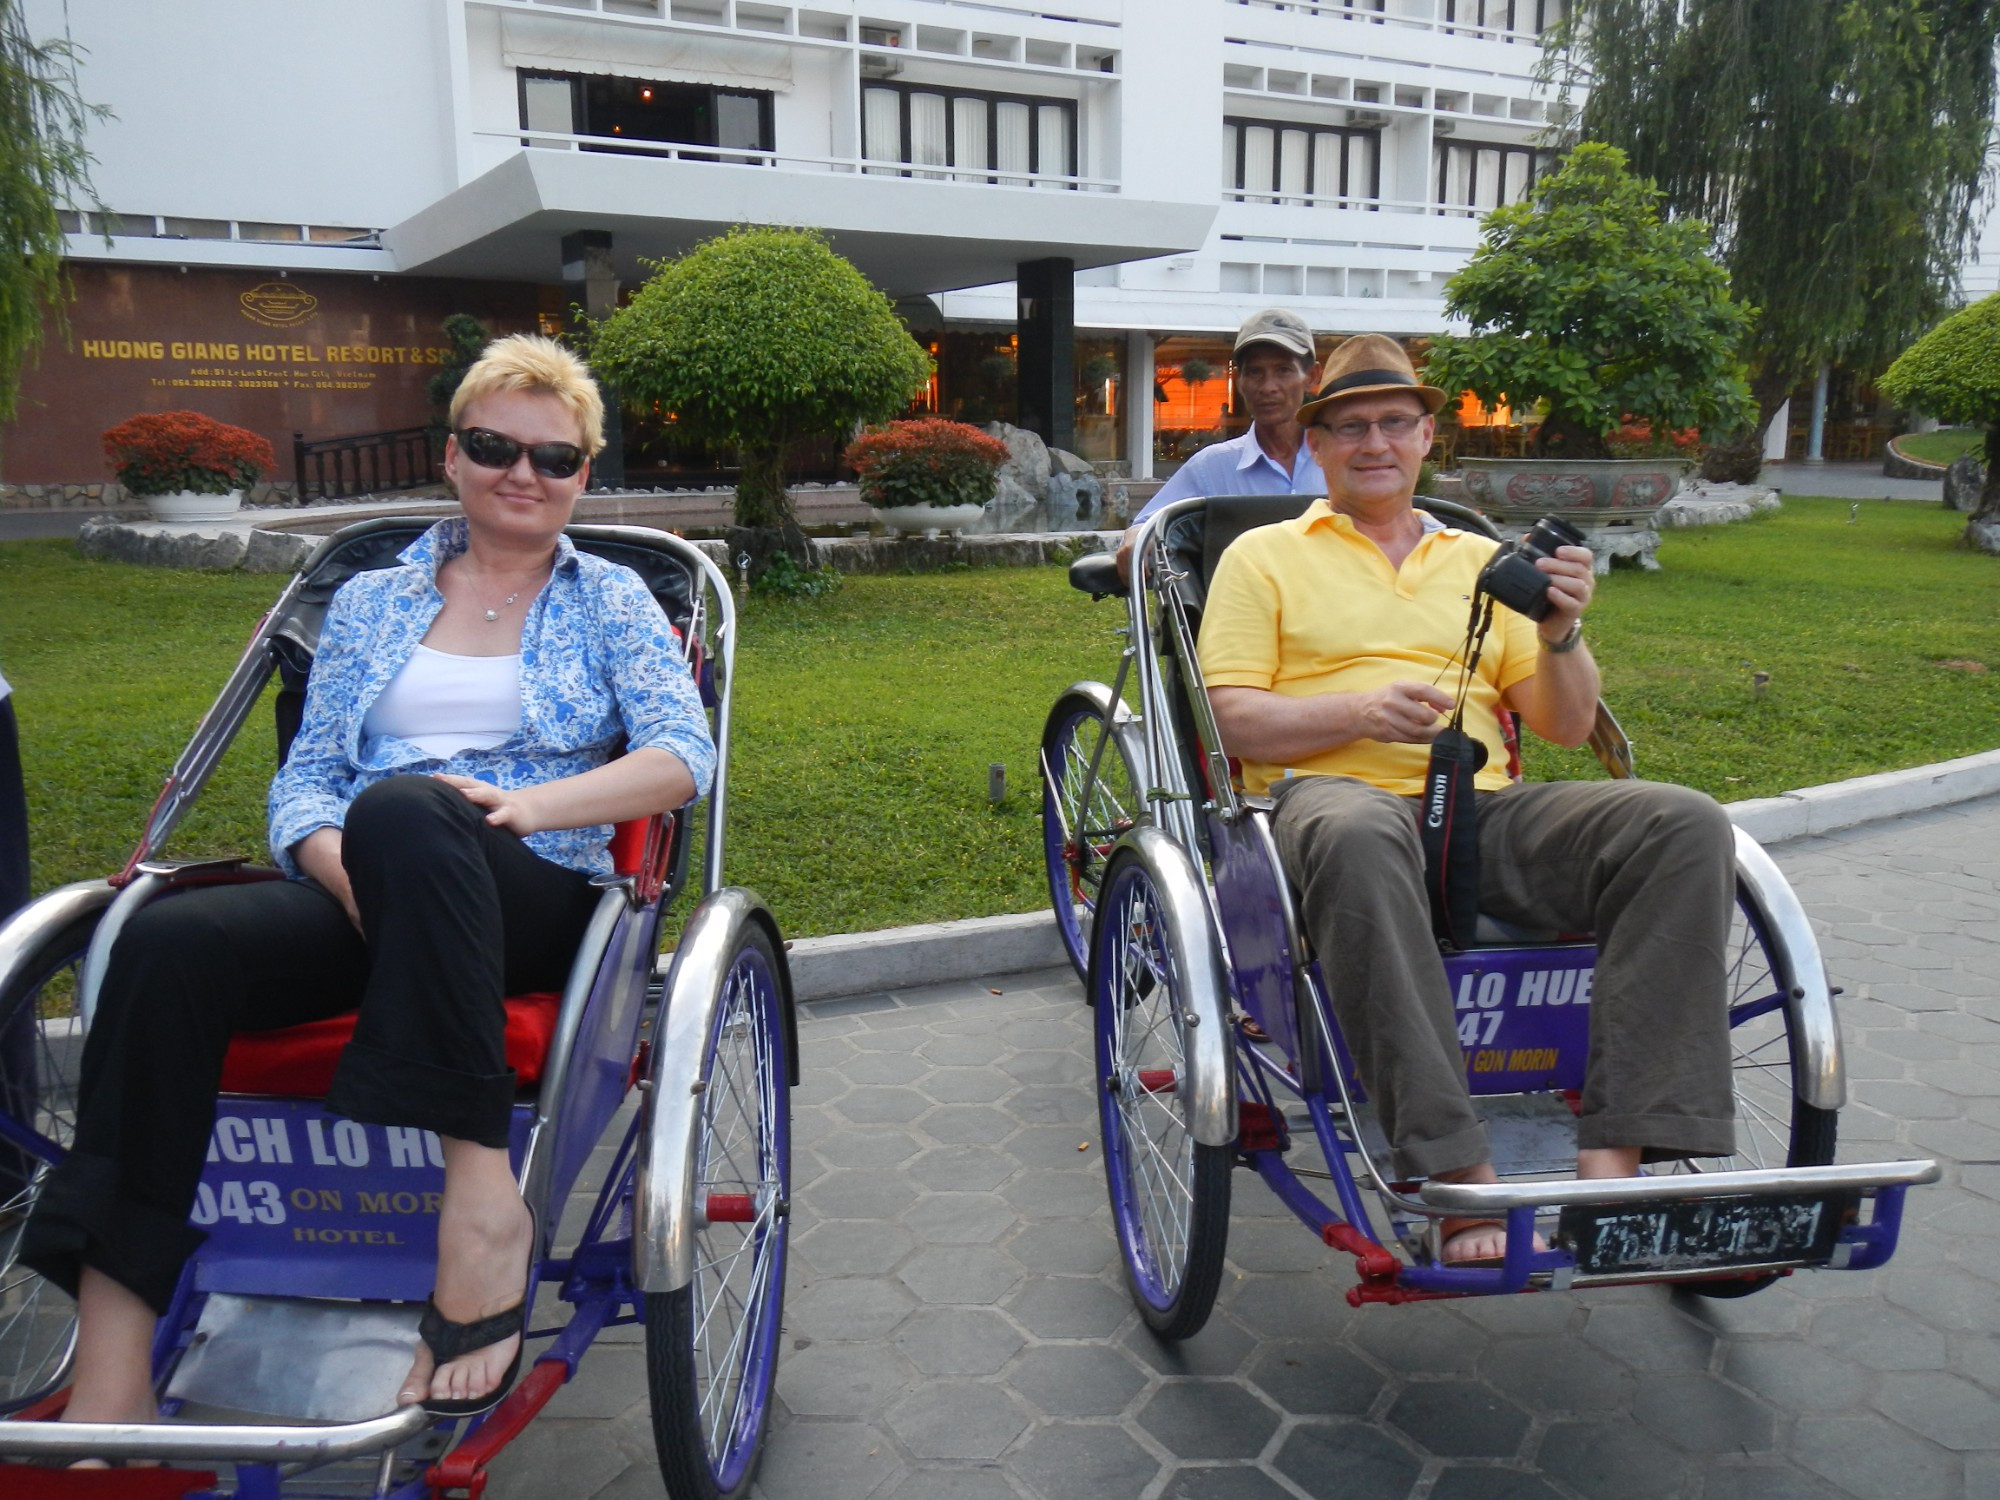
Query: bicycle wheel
[41, 1046]
[712, 1345]
[1084, 812]
[1775, 1127]
[1169, 1193]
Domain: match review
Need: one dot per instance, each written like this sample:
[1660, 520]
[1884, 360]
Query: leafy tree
[467, 339]
[1838, 147]
[43, 168]
[1586, 298]
[756, 340]
[1953, 372]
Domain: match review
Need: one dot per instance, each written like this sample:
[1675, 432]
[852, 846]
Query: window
[1520, 17]
[1264, 161]
[1473, 176]
[967, 136]
[640, 109]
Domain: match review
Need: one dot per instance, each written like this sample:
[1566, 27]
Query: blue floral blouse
[600, 666]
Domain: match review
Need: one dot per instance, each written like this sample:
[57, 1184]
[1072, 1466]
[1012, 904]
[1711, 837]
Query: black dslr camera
[1511, 576]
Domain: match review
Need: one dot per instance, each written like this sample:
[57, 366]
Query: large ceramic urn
[1590, 493]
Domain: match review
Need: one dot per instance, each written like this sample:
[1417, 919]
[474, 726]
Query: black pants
[458, 915]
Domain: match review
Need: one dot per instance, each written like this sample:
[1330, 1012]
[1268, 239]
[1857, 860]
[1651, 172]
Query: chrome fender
[1196, 953]
[24, 934]
[1817, 1070]
[1100, 695]
[663, 1224]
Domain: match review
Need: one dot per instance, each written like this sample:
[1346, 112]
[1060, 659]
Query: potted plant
[185, 466]
[927, 475]
[1585, 301]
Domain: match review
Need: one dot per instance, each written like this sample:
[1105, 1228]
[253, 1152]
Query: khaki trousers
[1648, 868]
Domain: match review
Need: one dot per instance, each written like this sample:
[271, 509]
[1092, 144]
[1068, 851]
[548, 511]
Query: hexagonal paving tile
[1460, 1419]
[1495, 1484]
[1064, 1247]
[960, 1218]
[880, 1105]
[859, 1194]
[1878, 1336]
[958, 1340]
[854, 1308]
[1077, 1380]
[978, 1050]
[1317, 1379]
[866, 1069]
[969, 1169]
[1079, 1461]
[1555, 1375]
[1284, 1307]
[1069, 1307]
[854, 1247]
[1702, 1414]
[1650, 1336]
[1208, 1419]
[982, 1085]
[1867, 1455]
[968, 1124]
[1942, 1407]
[1346, 1459]
[963, 1419]
[1796, 1376]
[1611, 1461]
[960, 1273]
[842, 1380]
[1224, 1482]
[862, 1148]
[1221, 1348]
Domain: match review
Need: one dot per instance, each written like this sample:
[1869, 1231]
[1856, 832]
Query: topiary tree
[756, 340]
[1584, 297]
[1953, 373]
[467, 339]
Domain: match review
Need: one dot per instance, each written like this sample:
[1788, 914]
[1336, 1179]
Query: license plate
[1609, 1238]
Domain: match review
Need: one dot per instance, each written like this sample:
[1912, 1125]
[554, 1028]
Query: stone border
[1896, 464]
[899, 958]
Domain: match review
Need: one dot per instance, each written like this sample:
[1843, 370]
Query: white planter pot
[189, 505]
[916, 520]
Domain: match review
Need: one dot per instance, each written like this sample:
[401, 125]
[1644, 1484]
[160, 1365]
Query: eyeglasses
[495, 450]
[1353, 430]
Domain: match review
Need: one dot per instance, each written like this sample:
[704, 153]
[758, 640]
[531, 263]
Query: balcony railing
[1361, 10]
[547, 140]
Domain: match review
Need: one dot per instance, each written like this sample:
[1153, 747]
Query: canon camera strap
[1450, 814]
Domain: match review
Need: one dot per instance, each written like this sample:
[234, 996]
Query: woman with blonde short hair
[441, 812]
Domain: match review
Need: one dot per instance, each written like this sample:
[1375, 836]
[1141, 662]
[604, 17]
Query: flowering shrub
[926, 462]
[165, 452]
[1637, 439]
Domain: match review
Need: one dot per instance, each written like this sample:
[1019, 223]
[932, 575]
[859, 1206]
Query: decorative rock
[1062, 461]
[1715, 504]
[1028, 460]
[1984, 534]
[277, 551]
[1010, 495]
[154, 545]
[1962, 483]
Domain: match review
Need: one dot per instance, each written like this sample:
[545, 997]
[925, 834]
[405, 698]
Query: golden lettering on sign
[278, 304]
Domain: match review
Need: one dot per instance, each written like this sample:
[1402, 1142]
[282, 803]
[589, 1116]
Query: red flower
[162, 453]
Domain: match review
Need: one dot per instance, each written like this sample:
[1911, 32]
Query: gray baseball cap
[1280, 326]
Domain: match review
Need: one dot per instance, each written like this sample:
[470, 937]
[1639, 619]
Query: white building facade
[1068, 208]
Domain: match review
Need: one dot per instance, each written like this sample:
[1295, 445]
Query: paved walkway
[957, 1328]
[1848, 482]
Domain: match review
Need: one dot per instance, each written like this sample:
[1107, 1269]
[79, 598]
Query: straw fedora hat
[1366, 365]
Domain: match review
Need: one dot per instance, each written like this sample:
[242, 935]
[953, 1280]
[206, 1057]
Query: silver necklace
[494, 614]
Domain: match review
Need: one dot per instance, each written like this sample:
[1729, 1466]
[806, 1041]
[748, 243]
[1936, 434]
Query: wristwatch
[1568, 643]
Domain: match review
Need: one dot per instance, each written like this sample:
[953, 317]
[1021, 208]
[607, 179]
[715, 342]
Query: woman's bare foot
[485, 1237]
[114, 1351]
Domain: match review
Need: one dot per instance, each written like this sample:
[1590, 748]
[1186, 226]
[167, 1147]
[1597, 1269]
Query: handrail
[868, 166]
[405, 458]
[1493, 1197]
[240, 1441]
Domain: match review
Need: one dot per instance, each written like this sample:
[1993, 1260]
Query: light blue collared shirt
[1238, 466]
[600, 668]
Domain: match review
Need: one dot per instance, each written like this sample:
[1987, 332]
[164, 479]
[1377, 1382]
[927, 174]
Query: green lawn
[866, 721]
[1945, 446]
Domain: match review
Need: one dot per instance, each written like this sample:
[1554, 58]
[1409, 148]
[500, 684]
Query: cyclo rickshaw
[1216, 1047]
[292, 1326]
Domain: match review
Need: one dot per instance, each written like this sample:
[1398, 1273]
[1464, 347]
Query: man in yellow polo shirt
[1331, 646]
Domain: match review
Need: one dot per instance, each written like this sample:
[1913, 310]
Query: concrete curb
[898, 958]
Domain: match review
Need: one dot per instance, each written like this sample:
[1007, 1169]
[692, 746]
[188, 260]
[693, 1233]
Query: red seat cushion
[298, 1061]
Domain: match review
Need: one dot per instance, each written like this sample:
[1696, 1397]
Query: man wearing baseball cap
[1275, 365]
[1331, 645]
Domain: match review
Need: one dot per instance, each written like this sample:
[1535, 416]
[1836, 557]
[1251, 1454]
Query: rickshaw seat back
[1521, 1005]
[295, 637]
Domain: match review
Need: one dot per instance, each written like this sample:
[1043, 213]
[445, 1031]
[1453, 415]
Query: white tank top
[443, 704]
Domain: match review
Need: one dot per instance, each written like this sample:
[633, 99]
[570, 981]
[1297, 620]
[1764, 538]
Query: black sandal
[448, 1341]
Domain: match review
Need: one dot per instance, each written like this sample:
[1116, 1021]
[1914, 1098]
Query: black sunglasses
[495, 450]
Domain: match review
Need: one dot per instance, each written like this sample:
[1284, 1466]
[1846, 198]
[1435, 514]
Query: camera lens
[1548, 534]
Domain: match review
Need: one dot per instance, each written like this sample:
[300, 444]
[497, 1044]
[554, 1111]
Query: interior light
[645, 93]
